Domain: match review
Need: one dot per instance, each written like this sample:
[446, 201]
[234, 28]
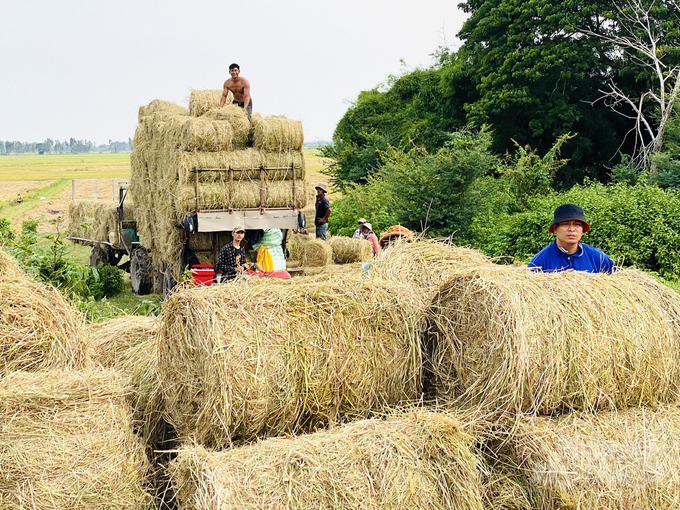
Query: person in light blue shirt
[567, 251]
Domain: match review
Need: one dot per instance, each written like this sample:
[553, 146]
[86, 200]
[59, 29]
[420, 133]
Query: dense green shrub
[635, 225]
[6, 233]
[111, 279]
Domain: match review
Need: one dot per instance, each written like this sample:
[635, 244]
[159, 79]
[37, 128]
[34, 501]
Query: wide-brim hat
[368, 226]
[321, 186]
[566, 212]
[362, 220]
[394, 232]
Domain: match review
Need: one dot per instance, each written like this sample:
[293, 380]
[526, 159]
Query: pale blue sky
[82, 68]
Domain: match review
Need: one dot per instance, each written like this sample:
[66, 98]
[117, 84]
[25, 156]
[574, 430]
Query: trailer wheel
[141, 271]
[158, 277]
[99, 255]
[168, 283]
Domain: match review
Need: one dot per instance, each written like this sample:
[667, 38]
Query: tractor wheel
[158, 277]
[99, 255]
[168, 283]
[141, 271]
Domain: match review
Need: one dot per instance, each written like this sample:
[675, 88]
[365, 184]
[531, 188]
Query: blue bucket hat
[566, 212]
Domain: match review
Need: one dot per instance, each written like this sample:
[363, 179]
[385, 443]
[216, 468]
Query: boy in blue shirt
[567, 251]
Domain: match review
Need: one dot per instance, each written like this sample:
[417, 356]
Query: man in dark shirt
[232, 258]
[323, 211]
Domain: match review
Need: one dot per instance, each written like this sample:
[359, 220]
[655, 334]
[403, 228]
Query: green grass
[34, 167]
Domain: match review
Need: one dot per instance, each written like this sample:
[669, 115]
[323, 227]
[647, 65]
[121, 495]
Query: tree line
[560, 101]
[70, 146]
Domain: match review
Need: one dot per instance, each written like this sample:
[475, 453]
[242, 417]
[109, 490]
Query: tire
[168, 283]
[158, 277]
[141, 271]
[99, 255]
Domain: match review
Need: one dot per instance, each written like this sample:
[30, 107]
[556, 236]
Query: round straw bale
[265, 356]
[316, 253]
[67, 442]
[347, 250]
[508, 339]
[38, 328]
[9, 268]
[628, 459]
[427, 264]
[418, 460]
[128, 344]
[201, 101]
[295, 243]
[237, 119]
[201, 134]
[245, 194]
[276, 133]
[163, 107]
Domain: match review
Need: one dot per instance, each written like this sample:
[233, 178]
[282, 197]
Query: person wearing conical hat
[567, 251]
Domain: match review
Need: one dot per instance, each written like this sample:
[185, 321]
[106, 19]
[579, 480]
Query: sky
[82, 68]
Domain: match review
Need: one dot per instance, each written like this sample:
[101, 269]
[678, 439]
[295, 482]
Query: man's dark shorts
[250, 106]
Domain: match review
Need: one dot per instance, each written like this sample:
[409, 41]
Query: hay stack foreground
[265, 357]
[67, 442]
[129, 345]
[38, 328]
[426, 264]
[512, 340]
[419, 460]
[628, 460]
[316, 253]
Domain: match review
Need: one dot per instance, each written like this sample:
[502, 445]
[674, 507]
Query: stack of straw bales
[507, 339]
[170, 143]
[347, 250]
[128, 344]
[67, 442]
[417, 460]
[38, 328]
[268, 356]
[625, 460]
[95, 220]
[316, 253]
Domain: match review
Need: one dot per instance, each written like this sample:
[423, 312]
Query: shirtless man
[240, 87]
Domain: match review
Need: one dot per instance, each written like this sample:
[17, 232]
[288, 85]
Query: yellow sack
[264, 259]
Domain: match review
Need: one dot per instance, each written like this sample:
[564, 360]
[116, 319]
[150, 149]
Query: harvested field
[347, 250]
[416, 460]
[316, 253]
[38, 328]
[67, 442]
[507, 339]
[626, 460]
[262, 357]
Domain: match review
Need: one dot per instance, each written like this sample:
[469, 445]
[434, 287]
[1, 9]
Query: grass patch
[11, 210]
[23, 167]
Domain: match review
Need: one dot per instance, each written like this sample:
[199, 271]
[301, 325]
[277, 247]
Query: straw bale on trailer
[38, 328]
[93, 220]
[201, 134]
[246, 194]
[201, 101]
[508, 339]
[347, 250]
[276, 133]
[158, 106]
[317, 253]
[67, 442]
[238, 120]
[263, 356]
[625, 460]
[187, 162]
[414, 460]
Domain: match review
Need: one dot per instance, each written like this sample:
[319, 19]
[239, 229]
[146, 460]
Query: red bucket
[202, 274]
